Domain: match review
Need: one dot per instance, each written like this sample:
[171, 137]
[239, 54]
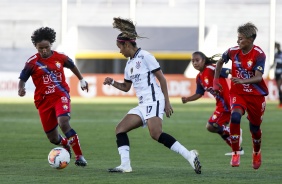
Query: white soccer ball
[59, 158]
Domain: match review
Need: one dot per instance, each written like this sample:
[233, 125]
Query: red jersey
[244, 67]
[47, 75]
[204, 81]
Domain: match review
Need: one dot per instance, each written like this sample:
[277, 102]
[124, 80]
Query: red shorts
[220, 117]
[253, 104]
[51, 108]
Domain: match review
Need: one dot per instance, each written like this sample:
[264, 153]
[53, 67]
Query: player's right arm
[124, 86]
[24, 76]
[191, 98]
[21, 88]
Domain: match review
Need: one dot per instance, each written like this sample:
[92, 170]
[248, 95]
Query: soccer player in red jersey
[220, 118]
[51, 96]
[248, 90]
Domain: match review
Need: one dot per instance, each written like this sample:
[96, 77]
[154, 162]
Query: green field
[24, 146]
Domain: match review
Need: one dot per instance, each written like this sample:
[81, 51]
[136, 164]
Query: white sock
[124, 155]
[179, 148]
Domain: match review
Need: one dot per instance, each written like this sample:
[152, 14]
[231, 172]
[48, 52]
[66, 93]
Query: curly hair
[208, 60]
[249, 30]
[43, 33]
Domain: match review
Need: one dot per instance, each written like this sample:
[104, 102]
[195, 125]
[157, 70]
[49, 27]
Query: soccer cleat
[126, 168]
[68, 148]
[194, 161]
[241, 152]
[256, 159]
[235, 159]
[80, 161]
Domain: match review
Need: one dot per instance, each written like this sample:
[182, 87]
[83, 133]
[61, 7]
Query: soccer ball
[59, 158]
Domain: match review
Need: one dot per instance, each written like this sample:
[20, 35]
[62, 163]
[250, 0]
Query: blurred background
[174, 30]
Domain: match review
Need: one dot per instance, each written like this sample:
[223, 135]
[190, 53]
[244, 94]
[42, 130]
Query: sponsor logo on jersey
[206, 80]
[131, 70]
[138, 64]
[58, 65]
[64, 99]
[250, 63]
[259, 68]
[214, 117]
[141, 56]
[65, 107]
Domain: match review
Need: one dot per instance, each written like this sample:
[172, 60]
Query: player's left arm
[160, 76]
[70, 64]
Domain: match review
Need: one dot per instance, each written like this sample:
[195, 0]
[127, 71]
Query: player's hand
[216, 85]
[168, 110]
[236, 80]
[21, 92]
[108, 81]
[83, 85]
[184, 100]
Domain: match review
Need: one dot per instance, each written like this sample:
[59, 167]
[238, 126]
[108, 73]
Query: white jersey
[140, 71]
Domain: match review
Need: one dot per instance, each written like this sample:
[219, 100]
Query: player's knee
[212, 127]
[155, 135]
[236, 118]
[54, 140]
[254, 128]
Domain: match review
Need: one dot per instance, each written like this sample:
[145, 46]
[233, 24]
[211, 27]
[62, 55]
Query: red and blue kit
[51, 95]
[204, 81]
[244, 67]
[248, 97]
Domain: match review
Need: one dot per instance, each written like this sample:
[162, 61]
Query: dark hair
[277, 46]
[249, 30]
[208, 60]
[43, 33]
[122, 39]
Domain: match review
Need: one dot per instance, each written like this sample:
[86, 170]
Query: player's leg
[73, 140]
[49, 123]
[155, 128]
[63, 109]
[235, 135]
[128, 123]
[217, 124]
[238, 104]
[255, 111]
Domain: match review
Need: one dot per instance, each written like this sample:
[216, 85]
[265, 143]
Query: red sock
[235, 136]
[74, 142]
[256, 140]
[226, 135]
[64, 141]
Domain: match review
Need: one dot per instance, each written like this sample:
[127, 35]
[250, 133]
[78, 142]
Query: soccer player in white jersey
[141, 70]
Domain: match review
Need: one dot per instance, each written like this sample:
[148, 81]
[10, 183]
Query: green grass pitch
[24, 146]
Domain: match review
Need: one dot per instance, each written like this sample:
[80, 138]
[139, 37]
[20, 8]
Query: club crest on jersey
[131, 70]
[214, 117]
[206, 81]
[138, 64]
[250, 63]
[58, 65]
